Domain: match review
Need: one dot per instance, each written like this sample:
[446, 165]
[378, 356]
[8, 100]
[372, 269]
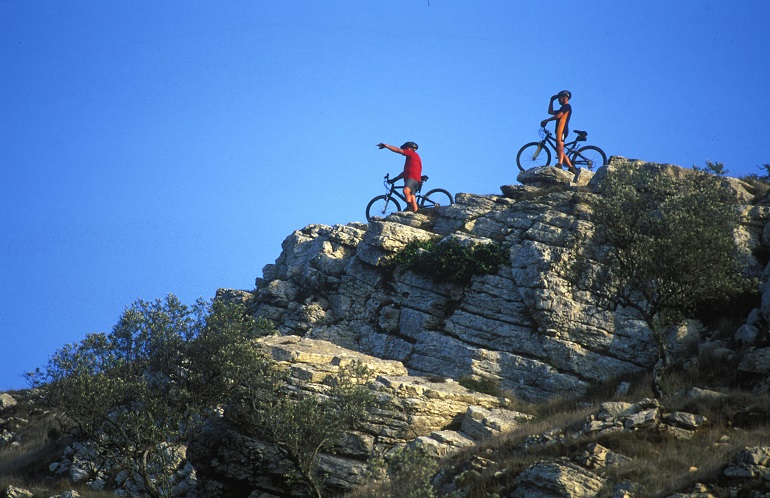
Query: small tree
[669, 247]
[144, 386]
[715, 168]
[405, 471]
[299, 423]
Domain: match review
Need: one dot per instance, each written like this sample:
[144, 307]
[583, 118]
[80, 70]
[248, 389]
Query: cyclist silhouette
[412, 173]
[562, 117]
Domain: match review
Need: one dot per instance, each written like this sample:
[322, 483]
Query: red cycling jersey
[412, 165]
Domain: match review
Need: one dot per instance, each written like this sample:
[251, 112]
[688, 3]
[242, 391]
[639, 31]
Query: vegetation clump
[668, 248]
[485, 385]
[137, 393]
[452, 261]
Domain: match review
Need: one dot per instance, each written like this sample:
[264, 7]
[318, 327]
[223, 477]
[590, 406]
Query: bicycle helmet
[410, 145]
[565, 93]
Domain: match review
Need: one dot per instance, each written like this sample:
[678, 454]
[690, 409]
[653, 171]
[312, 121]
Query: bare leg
[411, 200]
[563, 159]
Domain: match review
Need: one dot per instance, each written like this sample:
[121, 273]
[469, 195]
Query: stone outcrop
[436, 414]
[557, 479]
[524, 327]
[585, 474]
[9, 425]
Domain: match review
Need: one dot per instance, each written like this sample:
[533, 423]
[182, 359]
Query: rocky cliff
[332, 292]
[524, 327]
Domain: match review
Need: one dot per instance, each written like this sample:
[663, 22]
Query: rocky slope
[524, 327]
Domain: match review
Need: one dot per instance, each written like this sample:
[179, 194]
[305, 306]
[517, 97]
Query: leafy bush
[301, 424]
[144, 386]
[764, 177]
[714, 168]
[451, 261]
[485, 385]
[669, 246]
[760, 182]
[148, 385]
[403, 472]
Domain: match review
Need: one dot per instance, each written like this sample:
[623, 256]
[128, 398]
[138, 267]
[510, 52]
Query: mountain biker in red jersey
[562, 117]
[412, 173]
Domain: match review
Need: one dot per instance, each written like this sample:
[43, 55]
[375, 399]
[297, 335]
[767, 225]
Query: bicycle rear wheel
[533, 155]
[436, 197]
[589, 157]
[381, 206]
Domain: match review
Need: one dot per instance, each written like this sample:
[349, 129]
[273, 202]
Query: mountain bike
[535, 154]
[384, 205]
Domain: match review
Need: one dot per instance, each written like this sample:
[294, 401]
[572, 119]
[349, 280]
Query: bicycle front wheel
[381, 206]
[436, 197]
[533, 155]
[589, 157]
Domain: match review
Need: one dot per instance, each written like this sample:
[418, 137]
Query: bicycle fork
[537, 151]
[388, 200]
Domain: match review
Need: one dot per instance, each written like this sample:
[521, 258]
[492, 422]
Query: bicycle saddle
[424, 178]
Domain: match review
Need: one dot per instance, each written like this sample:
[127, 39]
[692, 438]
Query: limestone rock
[14, 492]
[597, 456]
[549, 176]
[442, 443]
[557, 479]
[751, 463]
[481, 424]
[414, 411]
[698, 393]
[524, 327]
[757, 360]
[6, 401]
[685, 420]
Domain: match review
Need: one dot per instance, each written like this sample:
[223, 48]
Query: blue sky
[149, 148]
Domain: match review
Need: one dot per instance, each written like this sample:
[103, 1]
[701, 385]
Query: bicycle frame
[392, 189]
[388, 203]
[550, 139]
[580, 155]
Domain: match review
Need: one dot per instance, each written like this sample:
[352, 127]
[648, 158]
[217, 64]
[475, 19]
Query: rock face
[434, 414]
[523, 327]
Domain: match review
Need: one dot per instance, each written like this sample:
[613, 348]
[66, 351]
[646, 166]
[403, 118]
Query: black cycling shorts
[413, 185]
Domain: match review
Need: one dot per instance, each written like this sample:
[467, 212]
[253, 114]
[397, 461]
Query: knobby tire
[589, 157]
[436, 197]
[525, 159]
[381, 207]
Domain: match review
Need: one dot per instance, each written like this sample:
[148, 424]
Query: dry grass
[26, 466]
[661, 465]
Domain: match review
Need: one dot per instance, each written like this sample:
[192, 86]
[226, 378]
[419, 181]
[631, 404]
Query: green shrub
[670, 247]
[302, 424]
[714, 168]
[146, 384]
[452, 261]
[407, 472]
[485, 385]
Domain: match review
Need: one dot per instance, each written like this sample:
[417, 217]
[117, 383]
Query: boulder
[756, 360]
[6, 401]
[557, 479]
[14, 492]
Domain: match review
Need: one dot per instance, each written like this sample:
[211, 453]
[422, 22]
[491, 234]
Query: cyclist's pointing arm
[391, 148]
